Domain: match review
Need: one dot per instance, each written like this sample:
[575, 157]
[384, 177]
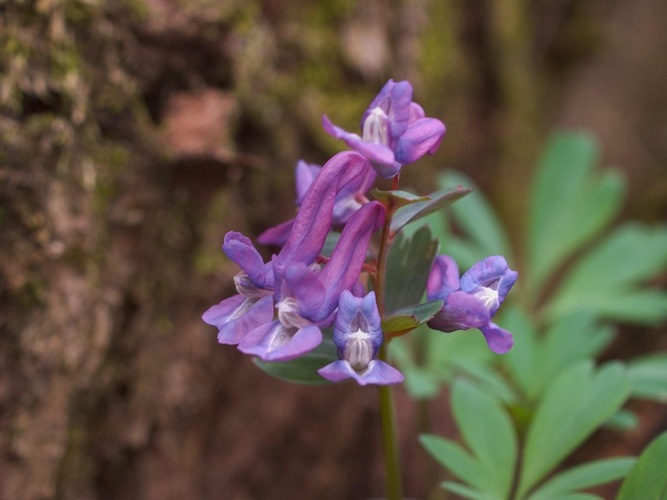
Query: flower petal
[276, 235]
[347, 259]
[377, 373]
[313, 221]
[460, 312]
[421, 137]
[305, 175]
[354, 314]
[275, 342]
[443, 279]
[305, 286]
[498, 339]
[492, 272]
[236, 316]
[241, 250]
[399, 109]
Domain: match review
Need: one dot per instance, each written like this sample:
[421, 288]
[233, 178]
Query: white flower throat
[376, 127]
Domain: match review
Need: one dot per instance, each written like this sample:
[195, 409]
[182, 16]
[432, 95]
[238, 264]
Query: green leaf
[303, 370]
[622, 420]
[475, 217]
[397, 198]
[421, 384]
[434, 202]
[584, 476]
[452, 457]
[488, 431]
[647, 479]
[522, 361]
[648, 376]
[410, 318]
[408, 267]
[570, 205]
[605, 281]
[577, 402]
[464, 491]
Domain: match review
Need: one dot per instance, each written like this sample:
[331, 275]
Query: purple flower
[347, 201]
[358, 336]
[473, 300]
[394, 130]
[306, 298]
[253, 306]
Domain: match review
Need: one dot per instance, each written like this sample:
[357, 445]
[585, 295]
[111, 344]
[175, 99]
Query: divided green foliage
[648, 478]
[487, 430]
[548, 381]
[408, 267]
[648, 375]
[584, 476]
[578, 401]
[607, 280]
[570, 203]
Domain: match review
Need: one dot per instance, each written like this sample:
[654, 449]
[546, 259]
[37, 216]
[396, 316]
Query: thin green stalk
[392, 462]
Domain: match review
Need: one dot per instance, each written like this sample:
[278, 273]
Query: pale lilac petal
[276, 235]
[416, 112]
[305, 286]
[313, 221]
[443, 279]
[377, 153]
[354, 314]
[386, 170]
[335, 131]
[492, 272]
[343, 269]
[498, 339]
[377, 373]
[275, 342]
[241, 250]
[421, 137]
[461, 312]
[380, 101]
[399, 109]
[305, 175]
[236, 316]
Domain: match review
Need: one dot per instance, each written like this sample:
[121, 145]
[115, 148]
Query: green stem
[392, 462]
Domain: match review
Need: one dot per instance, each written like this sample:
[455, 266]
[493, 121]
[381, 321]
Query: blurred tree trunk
[133, 135]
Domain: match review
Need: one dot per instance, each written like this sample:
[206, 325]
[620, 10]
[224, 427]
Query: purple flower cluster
[472, 300]
[283, 305]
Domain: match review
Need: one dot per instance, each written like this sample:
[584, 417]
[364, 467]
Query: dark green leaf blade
[435, 201]
[408, 267]
[397, 198]
[410, 318]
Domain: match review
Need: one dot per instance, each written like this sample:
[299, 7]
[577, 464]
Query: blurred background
[135, 133]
